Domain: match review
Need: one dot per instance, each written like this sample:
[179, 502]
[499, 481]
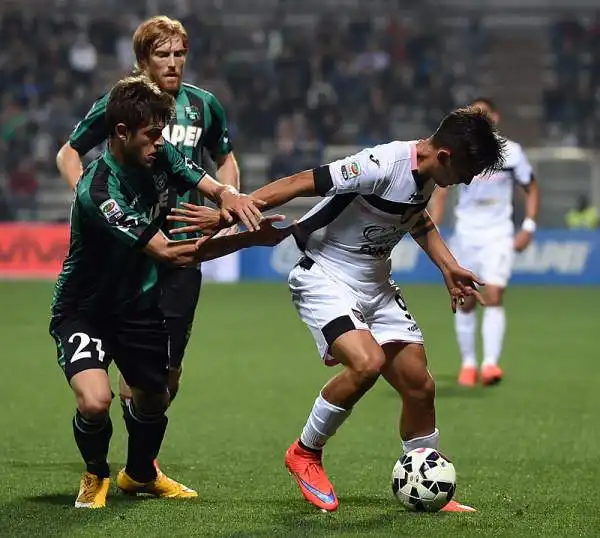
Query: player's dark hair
[471, 137]
[137, 102]
[490, 103]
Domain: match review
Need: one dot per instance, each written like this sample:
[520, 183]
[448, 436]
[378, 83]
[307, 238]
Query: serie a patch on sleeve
[351, 170]
[111, 210]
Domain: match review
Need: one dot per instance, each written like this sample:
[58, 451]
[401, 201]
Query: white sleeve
[523, 171]
[359, 173]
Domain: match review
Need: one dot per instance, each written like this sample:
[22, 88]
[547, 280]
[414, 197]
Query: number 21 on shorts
[85, 347]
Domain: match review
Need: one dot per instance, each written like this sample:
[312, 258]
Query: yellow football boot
[92, 491]
[161, 486]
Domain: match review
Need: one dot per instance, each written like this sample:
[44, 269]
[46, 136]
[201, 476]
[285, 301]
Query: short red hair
[154, 32]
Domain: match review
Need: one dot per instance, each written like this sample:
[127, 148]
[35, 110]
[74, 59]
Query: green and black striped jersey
[200, 123]
[116, 210]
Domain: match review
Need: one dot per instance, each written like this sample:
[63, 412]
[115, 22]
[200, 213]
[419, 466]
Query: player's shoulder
[201, 93]
[513, 153]
[100, 103]
[95, 182]
[392, 152]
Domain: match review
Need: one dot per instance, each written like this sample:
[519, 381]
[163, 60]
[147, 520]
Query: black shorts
[180, 289]
[139, 345]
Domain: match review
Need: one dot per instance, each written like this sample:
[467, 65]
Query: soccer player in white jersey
[342, 287]
[485, 242]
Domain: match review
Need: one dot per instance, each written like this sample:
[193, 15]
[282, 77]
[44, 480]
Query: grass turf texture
[526, 452]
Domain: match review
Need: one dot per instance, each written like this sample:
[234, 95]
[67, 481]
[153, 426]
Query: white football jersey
[485, 207]
[371, 200]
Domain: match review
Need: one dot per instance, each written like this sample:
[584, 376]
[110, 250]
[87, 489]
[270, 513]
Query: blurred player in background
[485, 242]
[342, 288]
[161, 46]
[106, 301]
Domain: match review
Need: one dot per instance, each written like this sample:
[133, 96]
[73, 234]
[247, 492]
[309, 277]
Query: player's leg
[406, 371]
[465, 319]
[362, 359]
[331, 313]
[142, 357]
[465, 326]
[82, 356]
[180, 290]
[496, 270]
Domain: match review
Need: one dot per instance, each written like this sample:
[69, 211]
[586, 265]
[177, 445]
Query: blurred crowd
[288, 90]
[572, 96]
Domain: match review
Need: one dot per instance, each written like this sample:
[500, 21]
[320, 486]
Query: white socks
[465, 325]
[492, 330]
[428, 441]
[326, 418]
[323, 422]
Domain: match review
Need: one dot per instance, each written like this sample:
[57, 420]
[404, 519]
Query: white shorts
[491, 261]
[330, 308]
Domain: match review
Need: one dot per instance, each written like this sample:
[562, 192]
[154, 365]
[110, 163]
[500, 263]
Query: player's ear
[121, 131]
[443, 157]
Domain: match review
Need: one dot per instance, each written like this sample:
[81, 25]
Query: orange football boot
[455, 506]
[307, 469]
[491, 374]
[467, 376]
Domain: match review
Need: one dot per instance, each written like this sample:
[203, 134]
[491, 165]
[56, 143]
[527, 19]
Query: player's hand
[268, 235]
[522, 240]
[243, 206]
[199, 219]
[461, 284]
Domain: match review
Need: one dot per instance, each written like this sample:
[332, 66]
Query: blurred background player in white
[485, 242]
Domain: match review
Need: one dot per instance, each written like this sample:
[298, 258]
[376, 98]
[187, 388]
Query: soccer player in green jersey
[161, 45]
[106, 300]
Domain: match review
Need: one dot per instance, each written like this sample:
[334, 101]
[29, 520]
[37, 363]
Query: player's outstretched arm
[192, 251]
[359, 173]
[459, 281]
[281, 191]
[272, 195]
[438, 205]
[233, 205]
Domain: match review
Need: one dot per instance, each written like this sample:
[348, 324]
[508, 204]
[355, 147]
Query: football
[423, 480]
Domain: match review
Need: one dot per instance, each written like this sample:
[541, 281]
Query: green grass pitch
[526, 452]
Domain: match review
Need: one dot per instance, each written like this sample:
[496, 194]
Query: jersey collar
[112, 163]
[413, 156]
[124, 173]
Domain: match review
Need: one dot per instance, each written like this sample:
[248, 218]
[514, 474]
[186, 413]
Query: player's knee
[124, 390]
[151, 404]
[421, 389]
[368, 366]
[469, 305]
[94, 404]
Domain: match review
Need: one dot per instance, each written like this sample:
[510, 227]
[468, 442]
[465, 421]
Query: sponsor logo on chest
[186, 135]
